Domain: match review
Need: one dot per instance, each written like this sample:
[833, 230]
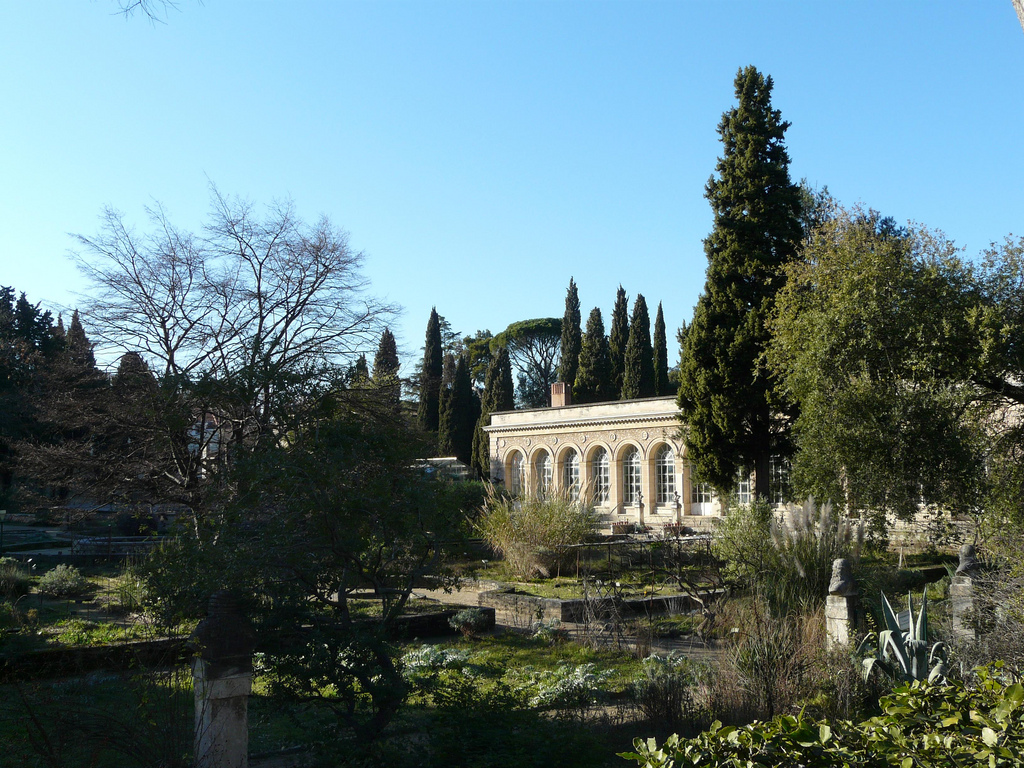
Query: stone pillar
[222, 679]
[842, 606]
[961, 595]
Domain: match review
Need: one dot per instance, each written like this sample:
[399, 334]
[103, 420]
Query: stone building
[628, 456]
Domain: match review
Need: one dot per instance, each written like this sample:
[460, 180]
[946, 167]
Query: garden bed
[533, 607]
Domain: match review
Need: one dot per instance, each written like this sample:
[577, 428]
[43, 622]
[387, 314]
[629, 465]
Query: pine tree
[618, 337]
[725, 390]
[498, 396]
[662, 386]
[593, 383]
[638, 374]
[430, 376]
[570, 336]
[385, 369]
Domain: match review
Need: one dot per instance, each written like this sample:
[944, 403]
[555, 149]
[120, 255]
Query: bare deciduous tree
[246, 324]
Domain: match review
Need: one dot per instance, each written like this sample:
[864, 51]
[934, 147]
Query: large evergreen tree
[618, 337]
[499, 395]
[593, 378]
[662, 386]
[571, 338]
[725, 391]
[638, 374]
[430, 376]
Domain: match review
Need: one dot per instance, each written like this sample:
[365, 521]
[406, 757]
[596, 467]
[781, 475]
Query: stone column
[961, 595]
[222, 679]
[842, 605]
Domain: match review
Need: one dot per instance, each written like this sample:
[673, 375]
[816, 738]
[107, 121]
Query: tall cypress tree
[446, 408]
[638, 376]
[385, 369]
[725, 390]
[593, 378]
[430, 376]
[618, 337]
[465, 411]
[662, 386]
[499, 395]
[571, 338]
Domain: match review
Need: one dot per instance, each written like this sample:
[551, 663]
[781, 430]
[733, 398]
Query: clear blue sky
[481, 153]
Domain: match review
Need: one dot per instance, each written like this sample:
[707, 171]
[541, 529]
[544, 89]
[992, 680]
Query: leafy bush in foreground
[921, 726]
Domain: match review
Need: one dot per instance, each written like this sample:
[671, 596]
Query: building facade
[628, 457]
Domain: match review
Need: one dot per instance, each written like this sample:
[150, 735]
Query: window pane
[571, 481]
[665, 475]
[543, 473]
[600, 472]
[631, 476]
[516, 474]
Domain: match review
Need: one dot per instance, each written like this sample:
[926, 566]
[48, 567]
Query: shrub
[64, 581]
[549, 631]
[130, 593]
[573, 689]
[920, 725]
[664, 693]
[808, 542]
[432, 658]
[470, 622]
[787, 559]
[530, 533]
[14, 582]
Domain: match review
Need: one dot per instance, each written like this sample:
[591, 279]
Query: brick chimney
[561, 394]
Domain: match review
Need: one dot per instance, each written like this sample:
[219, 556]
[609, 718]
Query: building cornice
[671, 417]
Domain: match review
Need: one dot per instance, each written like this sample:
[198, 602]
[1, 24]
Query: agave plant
[905, 655]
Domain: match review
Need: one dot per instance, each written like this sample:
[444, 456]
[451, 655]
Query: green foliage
[593, 383]
[905, 656]
[571, 340]
[638, 370]
[64, 581]
[920, 726]
[470, 622]
[725, 396]
[875, 337]
[14, 581]
[530, 532]
[618, 337]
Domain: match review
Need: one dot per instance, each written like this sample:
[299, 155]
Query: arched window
[516, 474]
[665, 474]
[543, 467]
[631, 476]
[571, 474]
[600, 472]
